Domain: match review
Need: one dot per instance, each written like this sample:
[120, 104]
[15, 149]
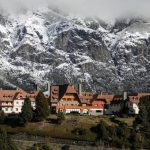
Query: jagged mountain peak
[48, 46]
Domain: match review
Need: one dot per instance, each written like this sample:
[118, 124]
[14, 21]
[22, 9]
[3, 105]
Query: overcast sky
[104, 9]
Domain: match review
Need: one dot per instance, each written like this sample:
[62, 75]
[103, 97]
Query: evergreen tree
[5, 141]
[143, 117]
[27, 113]
[60, 117]
[2, 117]
[103, 132]
[42, 107]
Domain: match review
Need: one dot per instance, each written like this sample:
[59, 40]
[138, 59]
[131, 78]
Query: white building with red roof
[11, 101]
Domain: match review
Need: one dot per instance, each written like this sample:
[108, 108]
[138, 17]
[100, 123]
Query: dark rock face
[48, 47]
[83, 42]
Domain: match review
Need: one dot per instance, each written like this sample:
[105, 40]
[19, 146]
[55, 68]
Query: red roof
[10, 95]
[98, 103]
[105, 97]
[79, 107]
[135, 98]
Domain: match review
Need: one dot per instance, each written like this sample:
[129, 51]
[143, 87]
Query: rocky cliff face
[45, 46]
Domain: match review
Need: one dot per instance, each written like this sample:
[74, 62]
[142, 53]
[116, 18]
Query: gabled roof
[23, 94]
[66, 88]
[8, 95]
[86, 97]
[104, 97]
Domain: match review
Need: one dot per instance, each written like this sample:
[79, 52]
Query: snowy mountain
[47, 46]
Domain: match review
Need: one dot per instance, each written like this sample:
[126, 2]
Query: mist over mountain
[108, 10]
[60, 42]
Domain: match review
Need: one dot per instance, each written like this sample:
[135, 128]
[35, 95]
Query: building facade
[11, 101]
[67, 99]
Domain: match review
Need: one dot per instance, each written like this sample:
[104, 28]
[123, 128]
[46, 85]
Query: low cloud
[104, 9]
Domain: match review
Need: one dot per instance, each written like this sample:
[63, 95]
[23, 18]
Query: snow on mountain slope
[46, 46]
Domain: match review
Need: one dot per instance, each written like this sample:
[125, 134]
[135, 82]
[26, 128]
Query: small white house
[133, 108]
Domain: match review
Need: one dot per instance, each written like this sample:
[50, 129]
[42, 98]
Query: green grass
[65, 129]
[127, 120]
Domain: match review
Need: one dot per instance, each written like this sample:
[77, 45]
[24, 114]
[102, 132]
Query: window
[98, 111]
[16, 109]
[6, 109]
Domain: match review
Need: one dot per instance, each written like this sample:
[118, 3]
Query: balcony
[6, 104]
[54, 92]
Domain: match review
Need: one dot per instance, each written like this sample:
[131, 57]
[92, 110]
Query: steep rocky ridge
[46, 46]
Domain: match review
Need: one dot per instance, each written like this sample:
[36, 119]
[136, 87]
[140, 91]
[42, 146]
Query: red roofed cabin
[65, 98]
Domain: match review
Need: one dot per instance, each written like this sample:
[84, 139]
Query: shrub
[79, 131]
[65, 147]
[60, 117]
[40, 146]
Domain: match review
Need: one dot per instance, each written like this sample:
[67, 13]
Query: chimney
[37, 87]
[80, 89]
[17, 88]
[125, 95]
[48, 88]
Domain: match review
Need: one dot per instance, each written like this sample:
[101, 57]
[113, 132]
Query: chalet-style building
[69, 100]
[65, 98]
[11, 101]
